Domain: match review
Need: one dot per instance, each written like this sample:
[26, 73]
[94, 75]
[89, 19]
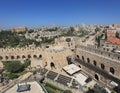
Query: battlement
[100, 52]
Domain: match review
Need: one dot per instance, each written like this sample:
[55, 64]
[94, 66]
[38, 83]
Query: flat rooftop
[71, 69]
[81, 78]
[35, 88]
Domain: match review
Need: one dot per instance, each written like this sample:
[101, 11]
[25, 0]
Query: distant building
[20, 29]
[77, 28]
[111, 33]
[113, 36]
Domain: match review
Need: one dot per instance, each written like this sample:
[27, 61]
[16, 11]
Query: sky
[36, 13]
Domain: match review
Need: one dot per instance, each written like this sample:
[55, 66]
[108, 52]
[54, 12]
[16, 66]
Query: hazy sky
[34, 13]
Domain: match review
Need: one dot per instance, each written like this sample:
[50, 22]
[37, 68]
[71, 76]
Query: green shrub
[54, 87]
[50, 90]
[12, 75]
[13, 66]
[26, 63]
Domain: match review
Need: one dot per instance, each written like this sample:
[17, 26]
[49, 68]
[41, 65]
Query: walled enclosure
[102, 65]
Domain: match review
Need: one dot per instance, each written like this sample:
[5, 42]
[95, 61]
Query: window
[18, 57]
[88, 60]
[34, 56]
[23, 56]
[29, 56]
[96, 77]
[40, 56]
[12, 57]
[83, 58]
[94, 62]
[112, 70]
[78, 56]
[103, 66]
[6, 57]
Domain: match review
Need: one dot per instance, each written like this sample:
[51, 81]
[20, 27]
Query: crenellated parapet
[100, 52]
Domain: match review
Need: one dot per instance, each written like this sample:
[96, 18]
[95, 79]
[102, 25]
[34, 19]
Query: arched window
[29, 56]
[23, 56]
[103, 66]
[6, 57]
[18, 57]
[78, 56]
[83, 58]
[88, 60]
[34, 56]
[52, 65]
[112, 70]
[40, 56]
[12, 57]
[1, 57]
[96, 77]
[94, 62]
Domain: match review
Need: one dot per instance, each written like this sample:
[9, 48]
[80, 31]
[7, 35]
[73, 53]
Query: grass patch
[50, 90]
[50, 87]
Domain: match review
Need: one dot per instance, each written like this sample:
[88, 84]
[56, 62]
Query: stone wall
[101, 52]
[102, 62]
[38, 56]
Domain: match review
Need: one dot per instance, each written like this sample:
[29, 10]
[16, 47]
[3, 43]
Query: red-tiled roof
[114, 41]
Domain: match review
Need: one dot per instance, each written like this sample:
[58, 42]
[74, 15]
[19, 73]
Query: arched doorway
[112, 70]
[52, 65]
[103, 66]
[96, 77]
[88, 60]
[69, 60]
[78, 56]
[83, 58]
[94, 62]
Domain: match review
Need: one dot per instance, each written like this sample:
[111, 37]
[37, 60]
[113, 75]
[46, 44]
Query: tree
[13, 66]
[26, 63]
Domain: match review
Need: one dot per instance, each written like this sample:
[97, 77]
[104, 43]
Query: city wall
[37, 55]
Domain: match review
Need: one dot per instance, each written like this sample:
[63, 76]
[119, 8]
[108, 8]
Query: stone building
[100, 65]
[111, 33]
[19, 29]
